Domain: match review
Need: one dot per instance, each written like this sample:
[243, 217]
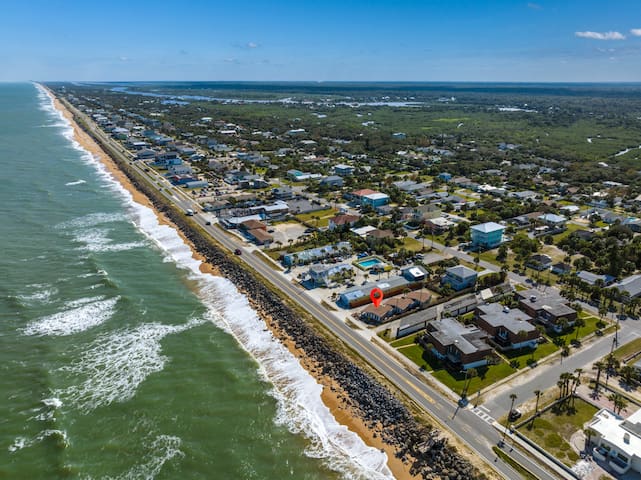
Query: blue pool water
[370, 262]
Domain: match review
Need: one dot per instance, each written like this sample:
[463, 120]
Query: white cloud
[601, 35]
[534, 6]
[252, 45]
[636, 32]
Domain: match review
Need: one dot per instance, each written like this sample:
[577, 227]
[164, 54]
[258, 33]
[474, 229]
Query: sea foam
[115, 364]
[77, 182]
[41, 294]
[160, 450]
[97, 240]
[300, 407]
[75, 318]
[22, 442]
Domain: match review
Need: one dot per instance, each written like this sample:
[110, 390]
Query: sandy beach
[333, 394]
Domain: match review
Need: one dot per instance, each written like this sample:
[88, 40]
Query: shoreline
[332, 393]
[392, 429]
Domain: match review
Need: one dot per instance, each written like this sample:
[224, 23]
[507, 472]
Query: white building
[618, 441]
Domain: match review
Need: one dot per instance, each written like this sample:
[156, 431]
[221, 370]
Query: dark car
[238, 251]
[514, 415]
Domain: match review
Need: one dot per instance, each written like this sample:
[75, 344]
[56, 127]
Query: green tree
[578, 323]
[599, 367]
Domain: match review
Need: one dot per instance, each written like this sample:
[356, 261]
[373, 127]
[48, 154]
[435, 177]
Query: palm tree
[565, 378]
[627, 372]
[612, 363]
[599, 367]
[618, 401]
[589, 433]
[536, 406]
[603, 310]
[513, 397]
[577, 380]
[560, 383]
[578, 323]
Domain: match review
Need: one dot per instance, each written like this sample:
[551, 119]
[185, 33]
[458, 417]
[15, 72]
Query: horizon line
[321, 82]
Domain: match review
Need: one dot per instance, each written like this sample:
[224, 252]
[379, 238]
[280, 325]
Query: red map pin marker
[376, 295]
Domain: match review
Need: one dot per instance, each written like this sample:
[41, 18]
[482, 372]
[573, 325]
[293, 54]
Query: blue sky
[445, 40]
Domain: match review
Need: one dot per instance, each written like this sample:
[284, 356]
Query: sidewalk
[601, 400]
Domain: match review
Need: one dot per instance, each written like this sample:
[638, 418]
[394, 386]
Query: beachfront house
[509, 328]
[460, 346]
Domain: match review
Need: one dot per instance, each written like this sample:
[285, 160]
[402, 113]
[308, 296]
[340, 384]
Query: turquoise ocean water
[118, 358]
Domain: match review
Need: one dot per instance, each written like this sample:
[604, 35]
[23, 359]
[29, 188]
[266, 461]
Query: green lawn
[553, 429]
[628, 349]
[456, 382]
[587, 329]
[571, 227]
[590, 325]
[522, 356]
[322, 215]
[402, 342]
[418, 355]
[414, 245]
[489, 256]
[486, 377]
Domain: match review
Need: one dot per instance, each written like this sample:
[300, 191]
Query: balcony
[600, 453]
[502, 341]
[619, 465]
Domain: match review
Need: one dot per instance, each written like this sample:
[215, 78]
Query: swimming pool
[369, 263]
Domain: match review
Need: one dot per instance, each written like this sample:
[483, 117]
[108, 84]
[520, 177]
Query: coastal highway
[472, 430]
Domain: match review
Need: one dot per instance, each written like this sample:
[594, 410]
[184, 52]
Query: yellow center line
[419, 390]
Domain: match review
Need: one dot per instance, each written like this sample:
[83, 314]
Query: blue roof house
[487, 235]
[446, 177]
[376, 199]
[459, 277]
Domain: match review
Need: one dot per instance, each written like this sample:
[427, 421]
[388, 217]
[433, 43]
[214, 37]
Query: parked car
[238, 251]
[514, 415]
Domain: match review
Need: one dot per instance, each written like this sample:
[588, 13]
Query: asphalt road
[470, 428]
